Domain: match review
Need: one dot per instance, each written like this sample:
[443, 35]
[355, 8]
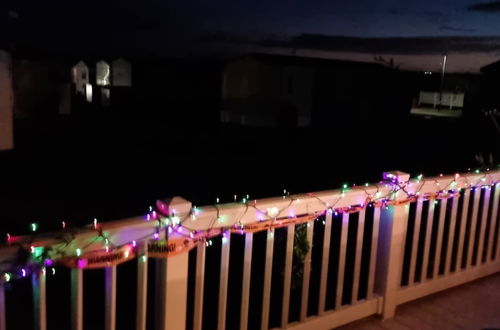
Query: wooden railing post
[173, 273]
[393, 221]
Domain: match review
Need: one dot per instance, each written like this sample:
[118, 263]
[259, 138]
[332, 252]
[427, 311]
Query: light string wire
[61, 251]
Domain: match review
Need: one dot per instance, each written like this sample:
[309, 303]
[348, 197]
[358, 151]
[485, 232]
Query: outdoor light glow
[78, 252]
[134, 243]
[273, 212]
[34, 226]
[176, 220]
[270, 234]
[6, 277]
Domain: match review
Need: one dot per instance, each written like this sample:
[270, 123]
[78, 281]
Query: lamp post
[442, 82]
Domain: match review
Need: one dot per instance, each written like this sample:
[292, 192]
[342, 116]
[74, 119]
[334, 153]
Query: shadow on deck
[474, 305]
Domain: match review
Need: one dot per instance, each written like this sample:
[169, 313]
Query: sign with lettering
[101, 258]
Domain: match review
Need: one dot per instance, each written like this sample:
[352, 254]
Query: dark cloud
[454, 29]
[396, 45]
[430, 16]
[487, 7]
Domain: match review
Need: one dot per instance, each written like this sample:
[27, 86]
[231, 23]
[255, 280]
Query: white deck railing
[394, 254]
[446, 99]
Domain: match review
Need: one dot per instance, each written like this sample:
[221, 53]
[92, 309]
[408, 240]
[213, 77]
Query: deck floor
[474, 305]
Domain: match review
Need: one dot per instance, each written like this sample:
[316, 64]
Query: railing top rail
[178, 211]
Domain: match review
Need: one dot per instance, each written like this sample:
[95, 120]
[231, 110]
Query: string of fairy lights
[44, 259]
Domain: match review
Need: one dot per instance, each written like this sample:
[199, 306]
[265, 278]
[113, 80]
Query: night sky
[342, 28]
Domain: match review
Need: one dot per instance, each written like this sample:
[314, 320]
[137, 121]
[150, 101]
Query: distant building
[6, 103]
[100, 84]
[80, 77]
[41, 88]
[122, 73]
[277, 90]
[490, 83]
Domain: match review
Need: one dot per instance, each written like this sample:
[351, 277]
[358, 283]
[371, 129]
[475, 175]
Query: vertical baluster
[3, 319]
[288, 275]
[427, 244]
[359, 250]
[198, 290]
[160, 294]
[416, 235]
[172, 292]
[267, 280]
[307, 273]
[472, 234]
[463, 224]
[451, 235]
[497, 255]
[224, 276]
[342, 257]
[77, 299]
[39, 299]
[373, 253]
[110, 319]
[494, 219]
[325, 262]
[484, 220]
[142, 290]
[439, 238]
[245, 288]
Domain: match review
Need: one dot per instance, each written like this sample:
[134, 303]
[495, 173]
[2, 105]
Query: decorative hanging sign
[178, 244]
[171, 247]
[100, 259]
